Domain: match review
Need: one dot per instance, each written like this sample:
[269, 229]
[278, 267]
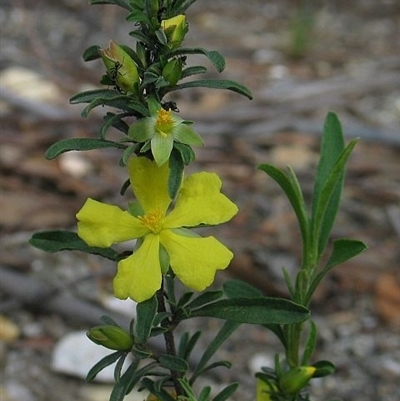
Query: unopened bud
[111, 337]
[175, 30]
[292, 381]
[264, 389]
[172, 71]
[121, 68]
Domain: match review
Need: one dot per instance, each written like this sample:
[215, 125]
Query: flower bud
[264, 389]
[121, 68]
[175, 30]
[112, 337]
[172, 71]
[292, 381]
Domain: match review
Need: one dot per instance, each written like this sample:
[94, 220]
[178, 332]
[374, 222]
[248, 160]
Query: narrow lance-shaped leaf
[80, 144]
[180, 6]
[325, 211]
[226, 330]
[146, 312]
[293, 194]
[55, 241]
[88, 96]
[176, 167]
[311, 343]
[121, 388]
[215, 84]
[226, 392]
[102, 364]
[240, 289]
[173, 363]
[215, 57]
[332, 145]
[343, 250]
[119, 102]
[188, 72]
[254, 311]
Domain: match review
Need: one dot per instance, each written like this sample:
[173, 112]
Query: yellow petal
[195, 260]
[102, 225]
[200, 201]
[139, 275]
[150, 184]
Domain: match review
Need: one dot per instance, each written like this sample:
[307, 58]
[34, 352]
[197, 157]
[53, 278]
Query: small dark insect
[113, 72]
[170, 106]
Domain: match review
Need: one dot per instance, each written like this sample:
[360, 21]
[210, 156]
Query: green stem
[169, 342]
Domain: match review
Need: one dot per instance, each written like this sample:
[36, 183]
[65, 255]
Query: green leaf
[122, 102]
[114, 120]
[240, 289]
[91, 53]
[81, 144]
[215, 57]
[332, 146]
[187, 344]
[102, 364]
[88, 96]
[121, 387]
[226, 330]
[194, 70]
[255, 311]
[55, 241]
[343, 250]
[186, 152]
[176, 167]
[128, 153]
[310, 344]
[145, 314]
[205, 394]
[293, 194]
[324, 368]
[122, 3]
[155, 389]
[118, 367]
[214, 84]
[107, 320]
[180, 6]
[141, 37]
[205, 298]
[137, 16]
[173, 362]
[327, 201]
[226, 392]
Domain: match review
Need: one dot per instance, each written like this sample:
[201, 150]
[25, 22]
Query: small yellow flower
[192, 258]
[162, 129]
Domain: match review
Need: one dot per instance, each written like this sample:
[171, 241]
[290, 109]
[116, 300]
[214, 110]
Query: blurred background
[301, 59]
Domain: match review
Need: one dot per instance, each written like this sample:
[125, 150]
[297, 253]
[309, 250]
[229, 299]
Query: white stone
[75, 355]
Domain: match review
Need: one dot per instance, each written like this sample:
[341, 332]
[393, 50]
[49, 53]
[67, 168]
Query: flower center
[153, 221]
[164, 122]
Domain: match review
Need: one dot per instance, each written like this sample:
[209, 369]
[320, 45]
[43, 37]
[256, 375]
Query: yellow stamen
[153, 221]
[164, 122]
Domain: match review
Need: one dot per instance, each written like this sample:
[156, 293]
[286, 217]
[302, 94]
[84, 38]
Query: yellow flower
[192, 258]
[162, 129]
